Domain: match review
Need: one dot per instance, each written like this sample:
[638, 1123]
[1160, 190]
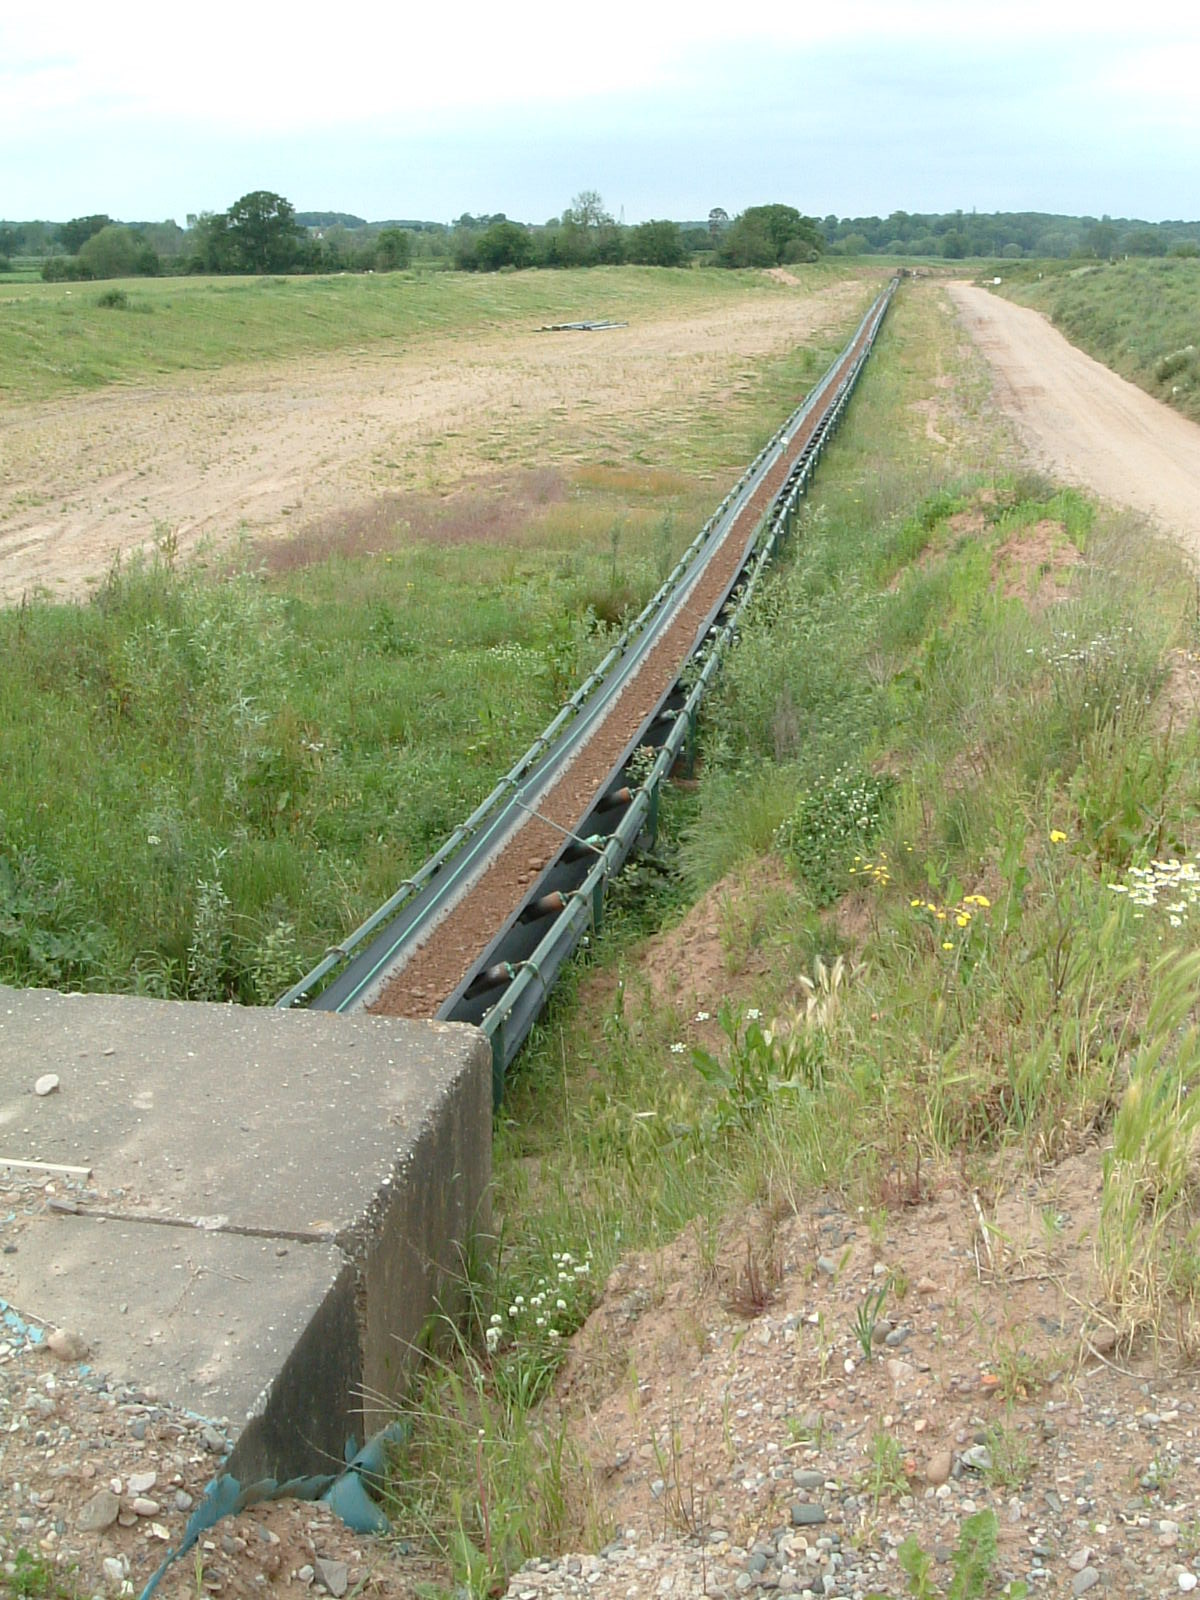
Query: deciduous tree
[263, 231]
[393, 250]
[656, 244]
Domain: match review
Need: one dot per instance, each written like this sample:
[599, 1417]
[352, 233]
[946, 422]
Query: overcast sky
[429, 110]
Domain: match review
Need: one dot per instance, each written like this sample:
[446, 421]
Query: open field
[208, 780]
[372, 387]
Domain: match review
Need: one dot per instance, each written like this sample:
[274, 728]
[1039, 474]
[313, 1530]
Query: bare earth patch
[1035, 564]
[690, 967]
[265, 450]
[724, 1394]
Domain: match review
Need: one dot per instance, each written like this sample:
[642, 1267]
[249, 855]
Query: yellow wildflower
[1057, 836]
[963, 918]
[947, 944]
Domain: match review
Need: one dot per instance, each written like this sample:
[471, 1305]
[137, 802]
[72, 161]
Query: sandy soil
[1083, 422]
[268, 449]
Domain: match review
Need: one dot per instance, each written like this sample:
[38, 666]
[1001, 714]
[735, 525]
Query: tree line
[263, 233]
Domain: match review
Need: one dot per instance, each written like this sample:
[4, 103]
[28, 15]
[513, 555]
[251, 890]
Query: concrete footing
[274, 1204]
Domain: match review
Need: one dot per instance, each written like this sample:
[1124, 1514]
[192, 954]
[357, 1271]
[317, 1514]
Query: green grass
[1142, 318]
[58, 338]
[297, 747]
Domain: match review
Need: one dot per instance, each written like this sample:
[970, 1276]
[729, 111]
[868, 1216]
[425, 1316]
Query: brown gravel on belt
[435, 970]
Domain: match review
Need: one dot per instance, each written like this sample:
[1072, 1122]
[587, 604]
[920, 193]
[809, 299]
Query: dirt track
[1082, 422]
[269, 449]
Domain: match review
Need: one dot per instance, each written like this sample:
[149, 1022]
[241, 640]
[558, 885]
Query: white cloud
[398, 62]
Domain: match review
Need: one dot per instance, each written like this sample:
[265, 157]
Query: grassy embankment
[203, 781]
[56, 338]
[960, 728]
[1142, 318]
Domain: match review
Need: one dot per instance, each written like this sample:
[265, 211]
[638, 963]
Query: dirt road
[270, 448]
[1082, 422]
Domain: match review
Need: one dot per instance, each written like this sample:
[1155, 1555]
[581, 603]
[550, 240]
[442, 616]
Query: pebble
[1188, 1581]
[46, 1084]
[67, 1346]
[144, 1507]
[1078, 1559]
[1085, 1580]
[141, 1482]
[99, 1513]
[978, 1458]
[807, 1515]
[937, 1468]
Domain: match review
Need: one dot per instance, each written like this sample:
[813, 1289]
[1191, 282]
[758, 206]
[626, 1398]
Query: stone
[100, 1512]
[1078, 1559]
[114, 1572]
[806, 1515]
[335, 1575]
[1188, 1581]
[978, 1458]
[937, 1468]
[1102, 1340]
[1085, 1580]
[46, 1084]
[143, 1506]
[926, 1286]
[141, 1482]
[808, 1478]
[67, 1346]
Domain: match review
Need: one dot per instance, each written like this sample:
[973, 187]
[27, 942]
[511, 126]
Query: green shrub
[833, 823]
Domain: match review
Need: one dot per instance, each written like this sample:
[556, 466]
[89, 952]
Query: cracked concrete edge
[349, 1369]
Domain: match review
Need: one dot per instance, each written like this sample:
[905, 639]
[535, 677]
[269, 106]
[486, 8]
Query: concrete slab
[278, 1201]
